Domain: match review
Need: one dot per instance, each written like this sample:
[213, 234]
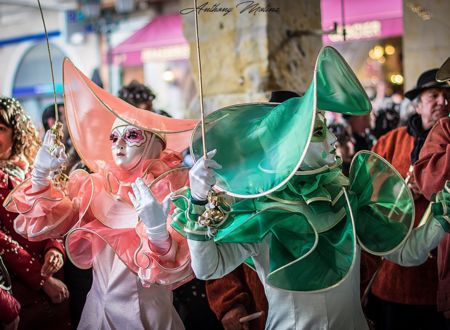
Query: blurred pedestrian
[360, 130]
[140, 96]
[345, 144]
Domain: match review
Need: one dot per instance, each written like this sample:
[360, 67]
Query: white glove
[46, 161]
[202, 176]
[152, 214]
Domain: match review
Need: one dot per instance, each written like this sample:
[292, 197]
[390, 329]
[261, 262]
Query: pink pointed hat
[91, 111]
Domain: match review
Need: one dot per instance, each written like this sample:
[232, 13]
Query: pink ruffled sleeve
[44, 214]
[166, 263]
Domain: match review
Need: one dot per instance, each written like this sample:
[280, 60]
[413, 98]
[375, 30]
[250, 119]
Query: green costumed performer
[281, 203]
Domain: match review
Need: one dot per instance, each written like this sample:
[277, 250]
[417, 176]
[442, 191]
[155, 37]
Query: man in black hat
[405, 297]
[430, 98]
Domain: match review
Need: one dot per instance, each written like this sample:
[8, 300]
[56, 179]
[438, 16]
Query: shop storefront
[373, 40]
[157, 54]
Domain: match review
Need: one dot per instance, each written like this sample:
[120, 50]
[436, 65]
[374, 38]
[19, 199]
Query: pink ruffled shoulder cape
[96, 211]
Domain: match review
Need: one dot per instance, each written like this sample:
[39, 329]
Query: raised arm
[425, 238]
[167, 248]
[153, 215]
[211, 260]
[44, 211]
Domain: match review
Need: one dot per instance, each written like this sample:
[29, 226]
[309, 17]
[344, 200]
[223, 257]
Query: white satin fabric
[117, 300]
[337, 308]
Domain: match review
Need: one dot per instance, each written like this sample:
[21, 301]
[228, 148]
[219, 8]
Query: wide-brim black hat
[426, 81]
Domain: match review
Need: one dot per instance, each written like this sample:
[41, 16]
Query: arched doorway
[32, 84]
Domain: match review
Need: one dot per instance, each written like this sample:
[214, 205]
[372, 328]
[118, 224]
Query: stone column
[246, 49]
[426, 37]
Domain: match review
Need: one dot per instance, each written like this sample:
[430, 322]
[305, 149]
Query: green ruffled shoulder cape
[315, 221]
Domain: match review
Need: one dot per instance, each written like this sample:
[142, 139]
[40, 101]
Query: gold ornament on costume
[216, 212]
[59, 178]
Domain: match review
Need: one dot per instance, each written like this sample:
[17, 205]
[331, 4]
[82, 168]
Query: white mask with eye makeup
[321, 150]
[129, 145]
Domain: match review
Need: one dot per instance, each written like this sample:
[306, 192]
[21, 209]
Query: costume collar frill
[315, 221]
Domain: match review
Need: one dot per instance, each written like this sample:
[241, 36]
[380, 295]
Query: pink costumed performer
[117, 218]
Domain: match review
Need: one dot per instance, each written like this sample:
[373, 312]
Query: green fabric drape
[385, 213]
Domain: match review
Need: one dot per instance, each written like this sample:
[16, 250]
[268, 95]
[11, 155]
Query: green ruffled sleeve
[441, 206]
[185, 216]
[384, 215]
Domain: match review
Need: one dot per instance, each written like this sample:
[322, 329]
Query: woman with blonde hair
[32, 265]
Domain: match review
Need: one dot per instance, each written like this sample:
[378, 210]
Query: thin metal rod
[344, 31]
[51, 63]
[200, 80]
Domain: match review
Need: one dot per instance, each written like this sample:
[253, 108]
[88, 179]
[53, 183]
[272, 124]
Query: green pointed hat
[261, 145]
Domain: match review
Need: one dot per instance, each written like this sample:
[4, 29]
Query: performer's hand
[152, 214]
[55, 290]
[230, 320]
[441, 206]
[48, 158]
[12, 325]
[202, 176]
[53, 262]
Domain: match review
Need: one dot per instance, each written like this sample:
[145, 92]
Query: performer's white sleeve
[417, 247]
[210, 260]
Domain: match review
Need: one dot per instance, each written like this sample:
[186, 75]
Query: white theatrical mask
[321, 150]
[131, 144]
